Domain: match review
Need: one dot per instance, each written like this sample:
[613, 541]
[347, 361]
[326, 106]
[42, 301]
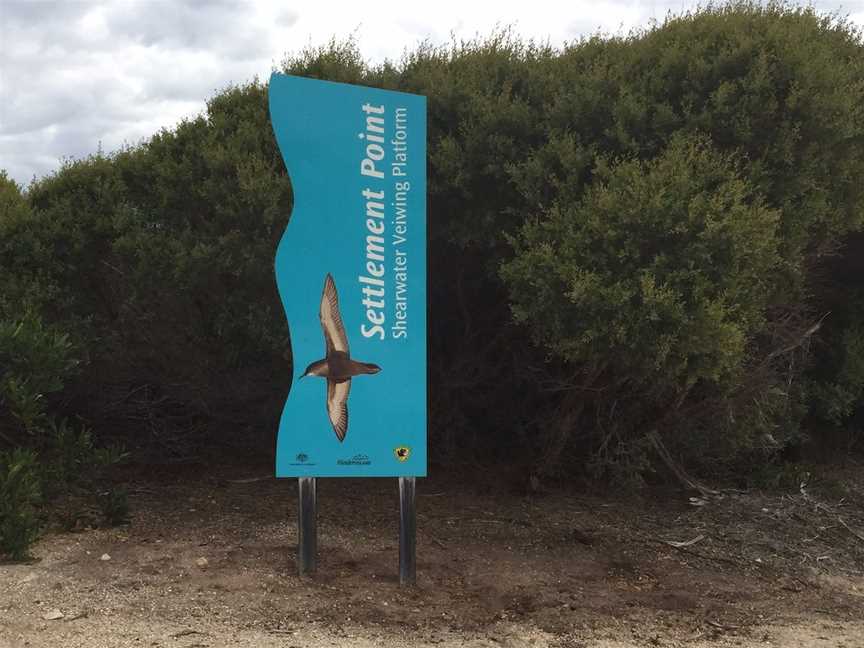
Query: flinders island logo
[402, 453]
[356, 460]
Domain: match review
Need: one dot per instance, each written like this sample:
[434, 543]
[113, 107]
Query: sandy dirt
[207, 562]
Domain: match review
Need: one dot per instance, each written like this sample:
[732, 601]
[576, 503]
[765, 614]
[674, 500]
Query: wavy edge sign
[351, 274]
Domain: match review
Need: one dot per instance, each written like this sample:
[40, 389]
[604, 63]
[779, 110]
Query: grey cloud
[195, 83]
[84, 135]
[26, 113]
[43, 94]
[74, 74]
[222, 27]
[52, 28]
[29, 13]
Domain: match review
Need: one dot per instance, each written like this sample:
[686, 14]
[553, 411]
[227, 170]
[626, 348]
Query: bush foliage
[655, 234]
[19, 498]
[42, 461]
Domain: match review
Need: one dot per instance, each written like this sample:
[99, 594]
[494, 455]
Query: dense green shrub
[74, 476]
[35, 360]
[836, 399]
[19, 497]
[659, 275]
[46, 468]
[37, 356]
[655, 284]
[66, 479]
[836, 378]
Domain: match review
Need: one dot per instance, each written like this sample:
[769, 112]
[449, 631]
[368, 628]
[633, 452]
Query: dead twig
[850, 529]
[722, 626]
[686, 543]
[720, 559]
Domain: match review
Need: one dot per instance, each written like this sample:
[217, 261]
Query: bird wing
[337, 406]
[331, 320]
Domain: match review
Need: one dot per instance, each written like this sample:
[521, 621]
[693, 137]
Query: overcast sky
[76, 74]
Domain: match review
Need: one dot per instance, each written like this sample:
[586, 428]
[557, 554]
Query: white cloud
[77, 73]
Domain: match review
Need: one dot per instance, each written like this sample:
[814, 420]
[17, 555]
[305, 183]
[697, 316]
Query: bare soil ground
[564, 570]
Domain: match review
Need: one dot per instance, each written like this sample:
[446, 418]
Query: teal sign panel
[351, 272]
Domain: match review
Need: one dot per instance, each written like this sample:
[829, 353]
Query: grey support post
[307, 531]
[407, 532]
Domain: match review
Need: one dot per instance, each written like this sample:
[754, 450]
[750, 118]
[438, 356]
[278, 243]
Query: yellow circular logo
[402, 453]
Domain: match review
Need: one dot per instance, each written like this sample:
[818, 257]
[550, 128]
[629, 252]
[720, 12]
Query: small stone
[52, 615]
[202, 562]
[104, 557]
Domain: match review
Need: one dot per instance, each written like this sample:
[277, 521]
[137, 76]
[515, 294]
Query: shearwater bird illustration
[337, 366]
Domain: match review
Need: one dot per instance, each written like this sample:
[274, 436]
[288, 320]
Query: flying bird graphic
[337, 366]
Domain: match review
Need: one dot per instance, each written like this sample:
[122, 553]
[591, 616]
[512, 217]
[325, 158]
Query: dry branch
[679, 472]
[686, 543]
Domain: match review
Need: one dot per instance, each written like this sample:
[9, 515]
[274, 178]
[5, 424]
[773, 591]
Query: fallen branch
[679, 472]
[799, 342]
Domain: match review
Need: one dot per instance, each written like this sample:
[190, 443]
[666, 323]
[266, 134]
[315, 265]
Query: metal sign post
[307, 530]
[407, 532]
